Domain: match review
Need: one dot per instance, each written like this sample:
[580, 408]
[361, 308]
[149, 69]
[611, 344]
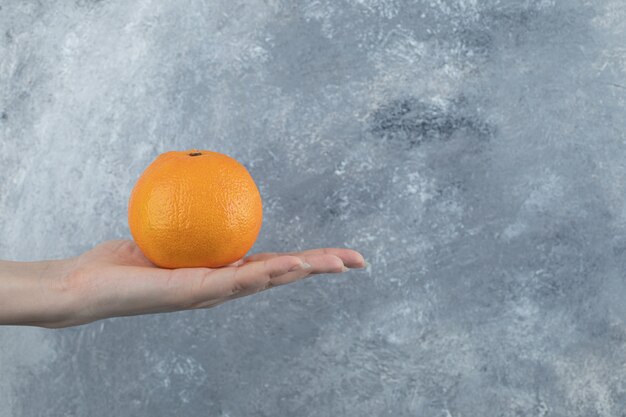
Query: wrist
[35, 293]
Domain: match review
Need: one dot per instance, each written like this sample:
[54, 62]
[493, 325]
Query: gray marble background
[473, 151]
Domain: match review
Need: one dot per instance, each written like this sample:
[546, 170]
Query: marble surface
[473, 151]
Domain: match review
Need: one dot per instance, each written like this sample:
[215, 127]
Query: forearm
[32, 293]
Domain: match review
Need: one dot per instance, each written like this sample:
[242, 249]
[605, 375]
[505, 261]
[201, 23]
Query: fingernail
[366, 264]
[345, 269]
[304, 265]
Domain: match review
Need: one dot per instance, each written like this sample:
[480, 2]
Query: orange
[195, 209]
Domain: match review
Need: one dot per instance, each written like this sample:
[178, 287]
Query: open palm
[116, 279]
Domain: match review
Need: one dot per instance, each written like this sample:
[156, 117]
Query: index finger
[350, 257]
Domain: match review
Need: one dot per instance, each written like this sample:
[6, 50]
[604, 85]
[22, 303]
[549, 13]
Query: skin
[115, 279]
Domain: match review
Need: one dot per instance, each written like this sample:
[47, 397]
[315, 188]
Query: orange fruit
[195, 209]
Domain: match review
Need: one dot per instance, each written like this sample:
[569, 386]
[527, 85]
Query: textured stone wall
[473, 151]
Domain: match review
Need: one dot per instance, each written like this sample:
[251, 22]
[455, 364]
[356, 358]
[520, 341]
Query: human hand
[115, 279]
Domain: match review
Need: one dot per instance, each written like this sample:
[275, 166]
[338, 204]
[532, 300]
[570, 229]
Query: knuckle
[242, 285]
[237, 288]
[237, 285]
